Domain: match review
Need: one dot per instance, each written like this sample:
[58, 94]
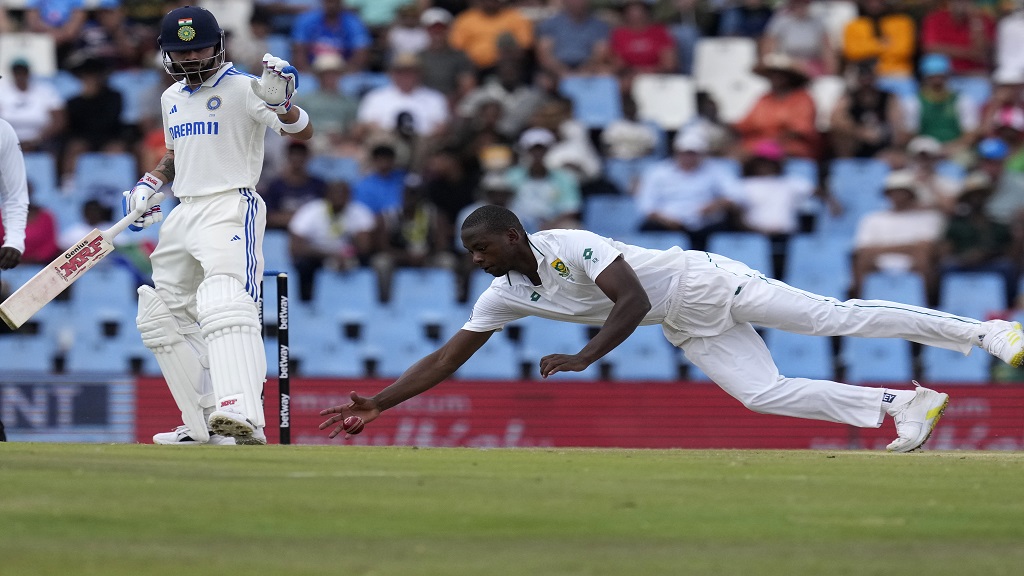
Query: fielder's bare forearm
[165, 168]
[432, 369]
[622, 321]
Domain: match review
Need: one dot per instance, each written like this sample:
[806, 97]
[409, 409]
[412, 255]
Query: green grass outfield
[135, 509]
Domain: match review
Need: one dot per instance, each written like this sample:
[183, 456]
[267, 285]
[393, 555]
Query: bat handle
[123, 223]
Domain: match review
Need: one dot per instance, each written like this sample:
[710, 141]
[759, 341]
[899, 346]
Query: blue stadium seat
[41, 170]
[423, 295]
[275, 251]
[316, 342]
[105, 283]
[977, 88]
[99, 172]
[67, 84]
[334, 169]
[497, 359]
[596, 99]
[395, 343]
[478, 282]
[903, 87]
[611, 215]
[29, 353]
[751, 248]
[858, 182]
[645, 355]
[819, 264]
[541, 337]
[280, 45]
[972, 294]
[951, 170]
[801, 356]
[625, 174]
[941, 365]
[902, 287]
[353, 291]
[727, 165]
[135, 87]
[802, 167]
[877, 360]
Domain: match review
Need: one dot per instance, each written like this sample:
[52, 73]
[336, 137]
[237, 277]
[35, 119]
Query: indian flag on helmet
[184, 21]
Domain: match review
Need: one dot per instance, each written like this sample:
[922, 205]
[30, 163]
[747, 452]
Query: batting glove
[145, 193]
[278, 83]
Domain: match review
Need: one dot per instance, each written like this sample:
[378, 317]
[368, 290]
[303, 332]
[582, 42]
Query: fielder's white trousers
[206, 236]
[728, 297]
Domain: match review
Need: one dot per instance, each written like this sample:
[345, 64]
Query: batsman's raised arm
[428, 372]
[275, 87]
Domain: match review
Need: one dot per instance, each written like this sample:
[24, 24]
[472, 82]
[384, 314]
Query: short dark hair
[382, 151]
[493, 218]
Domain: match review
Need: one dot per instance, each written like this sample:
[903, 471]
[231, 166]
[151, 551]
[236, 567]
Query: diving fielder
[201, 319]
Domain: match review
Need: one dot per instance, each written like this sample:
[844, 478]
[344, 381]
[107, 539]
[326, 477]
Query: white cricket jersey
[13, 189]
[568, 261]
[216, 133]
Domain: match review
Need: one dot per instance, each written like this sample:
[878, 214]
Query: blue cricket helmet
[191, 28]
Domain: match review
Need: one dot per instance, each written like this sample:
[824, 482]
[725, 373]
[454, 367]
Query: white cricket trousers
[727, 297]
[205, 236]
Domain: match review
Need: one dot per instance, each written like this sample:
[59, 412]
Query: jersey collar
[540, 263]
[209, 82]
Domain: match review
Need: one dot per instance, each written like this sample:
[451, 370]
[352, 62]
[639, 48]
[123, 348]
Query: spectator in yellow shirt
[882, 35]
[480, 30]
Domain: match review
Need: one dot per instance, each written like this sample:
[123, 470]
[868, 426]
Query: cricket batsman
[201, 319]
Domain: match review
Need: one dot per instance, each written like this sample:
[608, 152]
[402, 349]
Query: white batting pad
[181, 354]
[230, 324]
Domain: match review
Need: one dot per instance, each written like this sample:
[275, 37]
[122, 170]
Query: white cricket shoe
[1004, 340]
[237, 426]
[182, 436]
[916, 419]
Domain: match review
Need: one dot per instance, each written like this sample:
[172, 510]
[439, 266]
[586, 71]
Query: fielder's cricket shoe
[1004, 340]
[237, 426]
[182, 436]
[916, 419]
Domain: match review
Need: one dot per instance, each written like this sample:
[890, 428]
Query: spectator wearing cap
[973, 241]
[938, 111]
[332, 111]
[882, 37]
[62, 20]
[333, 232]
[519, 100]
[1007, 202]
[544, 197]
[786, 114]
[489, 27]
[413, 235]
[961, 32]
[33, 108]
[934, 190]
[426, 108]
[330, 28]
[772, 200]
[866, 120]
[407, 34]
[802, 36]
[381, 189]
[1007, 95]
[573, 41]
[901, 237]
[686, 194]
[640, 45]
[445, 69]
[292, 187]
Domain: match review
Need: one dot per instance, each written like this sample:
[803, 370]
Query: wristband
[152, 181]
[297, 126]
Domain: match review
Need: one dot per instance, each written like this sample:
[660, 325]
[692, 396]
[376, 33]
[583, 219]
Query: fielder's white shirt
[216, 132]
[568, 262]
[13, 189]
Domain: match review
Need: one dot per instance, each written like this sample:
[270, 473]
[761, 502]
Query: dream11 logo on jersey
[79, 256]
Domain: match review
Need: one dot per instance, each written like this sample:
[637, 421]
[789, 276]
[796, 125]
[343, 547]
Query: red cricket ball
[353, 425]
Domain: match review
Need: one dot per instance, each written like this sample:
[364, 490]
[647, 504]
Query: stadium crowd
[895, 127]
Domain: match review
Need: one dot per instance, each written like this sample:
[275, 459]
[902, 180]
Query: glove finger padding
[277, 84]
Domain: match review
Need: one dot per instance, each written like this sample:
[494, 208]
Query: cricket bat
[62, 272]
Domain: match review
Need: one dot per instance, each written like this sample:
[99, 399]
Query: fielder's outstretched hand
[363, 410]
[553, 363]
[278, 83]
